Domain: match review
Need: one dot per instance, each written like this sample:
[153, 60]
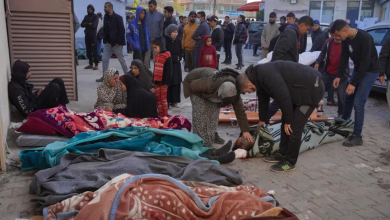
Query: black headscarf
[145, 75]
[140, 103]
[19, 72]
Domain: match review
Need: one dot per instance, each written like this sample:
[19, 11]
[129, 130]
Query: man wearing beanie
[316, 30]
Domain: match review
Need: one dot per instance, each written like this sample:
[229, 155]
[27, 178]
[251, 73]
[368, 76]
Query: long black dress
[174, 89]
[140, 103]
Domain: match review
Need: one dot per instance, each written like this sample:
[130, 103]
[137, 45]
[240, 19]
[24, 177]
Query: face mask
[198, 20]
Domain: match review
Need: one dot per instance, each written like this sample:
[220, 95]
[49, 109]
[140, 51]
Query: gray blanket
[78, 173]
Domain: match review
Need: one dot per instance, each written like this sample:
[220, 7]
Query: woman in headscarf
[174, 47]
[140, 103]
[209, 90]
[110, 96]
[143, 75]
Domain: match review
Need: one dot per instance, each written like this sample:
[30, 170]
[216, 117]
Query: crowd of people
[198, 40]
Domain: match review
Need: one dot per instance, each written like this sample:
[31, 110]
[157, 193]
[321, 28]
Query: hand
[382, 79]
[153, 90]
[248, 137]
[287, 129]
[316, 66]
[107, 109]
[40, 91]
[265, 48]
[350, 89]
[117, 45]
[336, 82]
[234, 44]
[261, 123]
[90, 23]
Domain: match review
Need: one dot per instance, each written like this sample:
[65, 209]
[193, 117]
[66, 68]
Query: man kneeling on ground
[21, 93]
[298, 89]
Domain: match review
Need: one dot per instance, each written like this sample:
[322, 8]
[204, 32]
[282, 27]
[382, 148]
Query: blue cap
[316, 22]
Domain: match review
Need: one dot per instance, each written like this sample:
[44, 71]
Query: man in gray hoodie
[217, 35]
[199, 34]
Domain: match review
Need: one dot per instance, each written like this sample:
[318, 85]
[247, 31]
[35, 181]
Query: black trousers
[289, 145]
[53, 95]
[139, 55]
[239, 54]
[255, 47]
[90, 44]
[227, 45]
[218, 56]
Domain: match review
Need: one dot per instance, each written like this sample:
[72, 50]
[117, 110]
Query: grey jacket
[201, 32]
[270, 31]
[155, 22]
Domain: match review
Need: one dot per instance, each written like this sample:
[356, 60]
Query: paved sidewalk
[331, 181]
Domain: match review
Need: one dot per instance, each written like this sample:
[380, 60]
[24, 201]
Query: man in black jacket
[384, 68]
[239, 39]
[217, 36]
[90, 23]
[288, 46]
[21, 95]
[359, 46]
[316, 31]
[298, 89]
[228, 29]
[169, 19]
[113, 39]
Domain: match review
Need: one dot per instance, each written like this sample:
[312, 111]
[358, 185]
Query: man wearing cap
[199, 35]
[188, 44]
[316, 30]
[217, 35]
[270, 31]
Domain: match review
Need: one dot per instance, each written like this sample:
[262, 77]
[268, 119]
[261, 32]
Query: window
[234, 8]
[315, 10]
[199, 7]
[379, 35]
[222, 8]
[353, 12]
[324, 16]
[367, 10]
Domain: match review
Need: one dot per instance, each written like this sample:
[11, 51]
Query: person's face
[174, 34]
[290, 20]
[28, 74]
[208, 42]
[250, 88]
[192, 18]
[199, 16]
[226, 20]
[272, 19]
[134, 70]
[166, 14]
[89, 10]
[213, 24]
[123, 86]
[341, 35]
[303, 28]
[156, 48]
[152, 8]
[114, 80]
[239, 19]
[315, 27]
[142, 15]
[184, 21]
[107, 9]
[128, 20]
[282, 21]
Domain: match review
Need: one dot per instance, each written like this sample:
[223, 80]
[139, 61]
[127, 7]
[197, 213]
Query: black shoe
[238, 68]
[353, 141]
[255, 55]
[99, 80]
[242, 65]
[224, 62]
[227, 158]
[274, 158]
[229, 62]
[218, 139]
[282, 166]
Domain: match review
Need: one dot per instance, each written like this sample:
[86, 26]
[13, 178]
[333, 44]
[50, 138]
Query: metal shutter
[41, 33]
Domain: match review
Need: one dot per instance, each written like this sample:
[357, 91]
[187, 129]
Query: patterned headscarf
[105, 92]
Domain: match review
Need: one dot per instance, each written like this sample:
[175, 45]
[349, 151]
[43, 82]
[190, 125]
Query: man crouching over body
[298, 89]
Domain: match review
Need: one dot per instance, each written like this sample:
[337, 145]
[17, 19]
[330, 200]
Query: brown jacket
[188, 43]
[200, 82]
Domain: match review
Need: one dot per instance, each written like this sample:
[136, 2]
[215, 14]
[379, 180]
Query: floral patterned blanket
[250, 105]
[70, 123]
[156, 196]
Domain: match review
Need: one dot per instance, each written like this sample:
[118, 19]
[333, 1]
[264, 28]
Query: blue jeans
[196, 57]
[99, 48]
[328, 82]
[358, 99]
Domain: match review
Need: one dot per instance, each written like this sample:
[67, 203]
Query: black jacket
[323, 58]
[273, 41]
[20, 93]
[303, 43]
[286, 47]
[315, 34]
[217, 38]
[240, 33]
[90, 22]
[168, 21]
[289, 84]
[180, 32]
[320, 40]
[114, 30]
[384, 59]
[228, 31]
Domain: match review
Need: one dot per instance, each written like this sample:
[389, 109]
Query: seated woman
[140, 103]
[143, 75]
[110, 96]
[21, 95]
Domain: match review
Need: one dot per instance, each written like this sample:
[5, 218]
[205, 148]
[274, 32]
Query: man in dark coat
[384, 67]
[321, 39]
[90, 23]
[239, 39]
[217, 36]
[275, 39]
[228, 29]
[298, 89]
[169, 19]
[113, 39]
[316, 30]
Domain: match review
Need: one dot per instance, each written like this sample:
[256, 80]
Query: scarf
[159, 62]
[106, 93]
[168, 31]
[145, 75]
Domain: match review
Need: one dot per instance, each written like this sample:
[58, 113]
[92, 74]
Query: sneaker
[282, 166]
[255, 55]
[353, 140]
[88, 67]
[99, 80]
[274, 158]
[218, 139]
[96, 68]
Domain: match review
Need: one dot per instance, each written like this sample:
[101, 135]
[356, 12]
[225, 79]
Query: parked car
[380, 32]
[255, 30]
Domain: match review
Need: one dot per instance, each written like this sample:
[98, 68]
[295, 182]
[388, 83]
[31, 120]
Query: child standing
[162, 75]
[207, 54]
